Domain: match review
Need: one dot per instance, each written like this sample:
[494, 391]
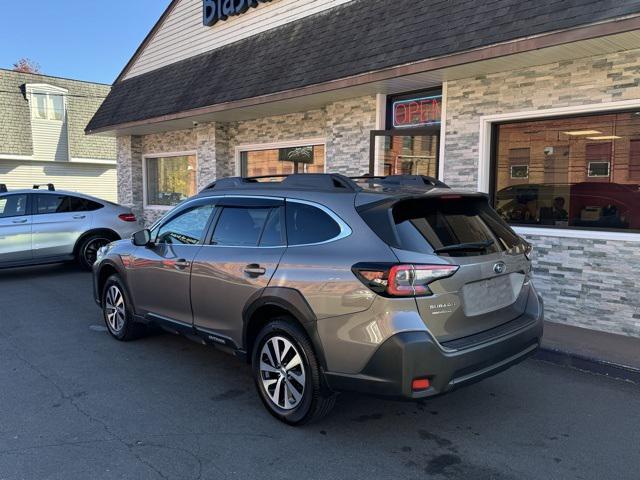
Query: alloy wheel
[282, 372]
[90, 252]
[115, 309]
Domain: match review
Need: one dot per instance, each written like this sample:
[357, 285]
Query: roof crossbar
[402, 181]
[49, 186]
[323, 181]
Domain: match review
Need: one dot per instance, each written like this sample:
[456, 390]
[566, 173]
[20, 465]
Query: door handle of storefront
[181, 264]
[22, 220]
[254, 270]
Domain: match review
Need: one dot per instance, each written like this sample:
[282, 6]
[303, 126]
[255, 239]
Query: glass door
[408, 152]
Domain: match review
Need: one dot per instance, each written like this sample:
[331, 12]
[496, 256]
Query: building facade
[42, 138]
[536, 105]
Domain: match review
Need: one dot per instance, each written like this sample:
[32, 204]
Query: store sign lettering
[216, 10]
[417, 112]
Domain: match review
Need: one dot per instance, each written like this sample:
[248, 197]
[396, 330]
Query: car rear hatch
[491, 286]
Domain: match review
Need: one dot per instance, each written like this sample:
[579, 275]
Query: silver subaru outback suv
[393, 286]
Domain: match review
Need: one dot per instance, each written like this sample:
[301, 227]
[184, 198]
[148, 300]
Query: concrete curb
[594, 365]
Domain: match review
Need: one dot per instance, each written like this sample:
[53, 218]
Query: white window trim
[145, 204]
[484, 162]
[46, 89]
[517, 166]
[304, 142]
[599, 176]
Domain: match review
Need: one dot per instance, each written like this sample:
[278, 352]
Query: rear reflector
[420, 384]
[127, 217]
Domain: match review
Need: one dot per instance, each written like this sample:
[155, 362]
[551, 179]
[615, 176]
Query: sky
[81, 39]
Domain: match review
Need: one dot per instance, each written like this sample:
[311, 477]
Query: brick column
[130, 173]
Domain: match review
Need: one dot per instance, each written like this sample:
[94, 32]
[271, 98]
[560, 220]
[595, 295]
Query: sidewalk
[605, 353]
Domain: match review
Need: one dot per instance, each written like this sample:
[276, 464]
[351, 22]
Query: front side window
[188, 228]
[308, 225]
[47, 106]
[170, 180]
[579, 172]
[240, 226]
[48, 203]
[13, 206]
[283, 161]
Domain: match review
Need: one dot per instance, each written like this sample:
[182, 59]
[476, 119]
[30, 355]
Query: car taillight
[127, 217]
[402, 280]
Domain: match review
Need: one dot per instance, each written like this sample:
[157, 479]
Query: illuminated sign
[216, 10]
[417, 112]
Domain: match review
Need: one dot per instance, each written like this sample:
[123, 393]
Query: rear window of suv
[449, 225]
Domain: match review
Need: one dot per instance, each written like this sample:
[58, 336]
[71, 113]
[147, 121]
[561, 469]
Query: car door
[15, 228]
[56, 227]
[236, 265]
[159, 274]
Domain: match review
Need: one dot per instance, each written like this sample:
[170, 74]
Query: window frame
[145, 157]
[511, 167]
[48, 91]
[608, 175]
[253, 147]
[487, 165]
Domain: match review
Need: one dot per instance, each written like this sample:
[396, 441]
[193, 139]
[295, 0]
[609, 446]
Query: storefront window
[411, 143]
[283, 161]
[581, 172]
[170, 180]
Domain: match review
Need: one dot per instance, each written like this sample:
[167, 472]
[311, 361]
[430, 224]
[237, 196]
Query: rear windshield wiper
[461, 247]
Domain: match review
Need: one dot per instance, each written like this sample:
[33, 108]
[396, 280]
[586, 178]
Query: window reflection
[571, 172]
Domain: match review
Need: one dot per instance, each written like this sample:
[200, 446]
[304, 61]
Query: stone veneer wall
[590, 283]
[345, 125]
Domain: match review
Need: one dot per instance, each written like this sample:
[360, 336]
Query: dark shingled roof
[358, 37]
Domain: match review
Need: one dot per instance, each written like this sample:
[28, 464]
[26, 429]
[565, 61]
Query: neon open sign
[215, 10]
[417, 112]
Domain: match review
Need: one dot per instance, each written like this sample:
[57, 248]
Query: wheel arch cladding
[274, 302]
[105, 272]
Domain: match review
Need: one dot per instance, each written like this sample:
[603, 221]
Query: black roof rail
[402, 181]
[323, 181]
[49, 186]
[3, 188]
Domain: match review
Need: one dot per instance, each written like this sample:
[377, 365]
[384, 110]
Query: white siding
[96, 180]
[50, 140]
[182, 35]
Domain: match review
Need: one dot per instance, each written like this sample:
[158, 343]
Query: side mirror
[142, 238]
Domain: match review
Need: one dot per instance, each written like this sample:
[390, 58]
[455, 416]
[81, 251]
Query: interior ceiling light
[605, 137]
[578, 133]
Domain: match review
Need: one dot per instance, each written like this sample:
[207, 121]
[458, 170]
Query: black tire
[316, 401]
[88, 248]
[127, 329]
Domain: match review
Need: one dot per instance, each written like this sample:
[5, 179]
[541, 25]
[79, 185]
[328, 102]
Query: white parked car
[45, 226]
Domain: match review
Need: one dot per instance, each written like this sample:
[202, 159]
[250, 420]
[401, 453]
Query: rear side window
[428, 225]
[13, 206]
[49, 203]
[240, 226]
[307, 224]
[77, 204]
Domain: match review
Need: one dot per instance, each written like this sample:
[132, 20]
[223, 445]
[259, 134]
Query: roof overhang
[595, 39]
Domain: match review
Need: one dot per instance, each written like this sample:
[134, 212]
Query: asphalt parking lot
[75, 404]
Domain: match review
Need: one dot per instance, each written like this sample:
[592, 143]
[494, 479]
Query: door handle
[181, 264]
[254, 270]
[22, 220]
[79, 217]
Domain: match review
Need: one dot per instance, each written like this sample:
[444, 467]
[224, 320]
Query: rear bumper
[410, 355]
